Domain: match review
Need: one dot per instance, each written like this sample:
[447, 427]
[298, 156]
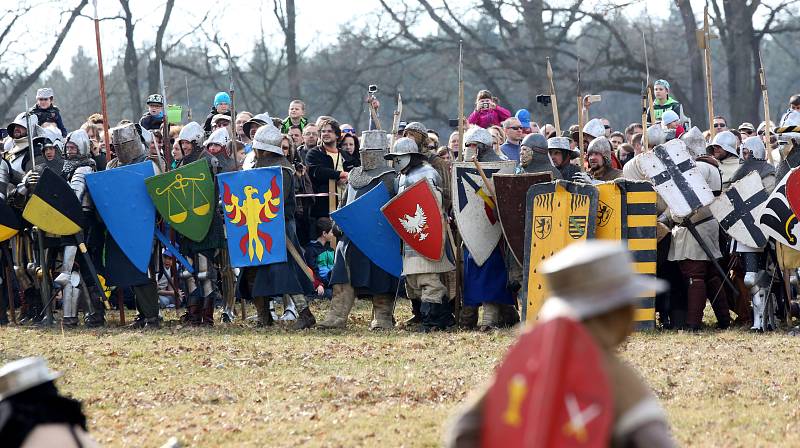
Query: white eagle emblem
[417, 224]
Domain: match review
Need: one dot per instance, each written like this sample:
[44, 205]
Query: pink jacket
[489, 117]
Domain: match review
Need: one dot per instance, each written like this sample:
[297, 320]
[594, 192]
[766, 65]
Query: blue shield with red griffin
[252, 203]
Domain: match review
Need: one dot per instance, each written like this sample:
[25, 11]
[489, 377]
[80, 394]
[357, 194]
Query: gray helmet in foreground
[268, 138]
[727, 141]
[192, 132]
[535, 141]
[695, 142]
[756, 147]
[404, 148]
[128, 144]
[374, 147]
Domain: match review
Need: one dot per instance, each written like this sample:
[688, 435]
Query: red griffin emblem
[416, 216]
[550, 390]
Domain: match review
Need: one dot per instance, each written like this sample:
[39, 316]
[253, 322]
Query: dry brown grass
[234, 386]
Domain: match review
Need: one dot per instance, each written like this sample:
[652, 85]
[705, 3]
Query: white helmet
[192, 132]
[80, 139]
[479, 135]
[220, 137]
[268, 138]
[656, 135]
[595, 128]
[727, 141]
[756, 147]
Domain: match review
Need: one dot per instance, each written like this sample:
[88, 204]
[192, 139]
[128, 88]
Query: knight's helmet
[479, 136]
[756, 147]
[128, 143]
[374, 146]
[193, 133]
[81, 140]
[268, 138]
[31, 125]
[695, 142]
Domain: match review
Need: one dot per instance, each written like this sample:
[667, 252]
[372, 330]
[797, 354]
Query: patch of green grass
[240, 386]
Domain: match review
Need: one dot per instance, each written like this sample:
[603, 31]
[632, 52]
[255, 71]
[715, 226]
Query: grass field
[235, 386]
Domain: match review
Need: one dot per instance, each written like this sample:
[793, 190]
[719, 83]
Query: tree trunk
[739, 42]
[291, 51]
[693, 106]
[131, 62]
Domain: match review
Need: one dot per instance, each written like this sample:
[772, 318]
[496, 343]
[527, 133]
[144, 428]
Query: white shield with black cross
[676, 178]
[738, 208]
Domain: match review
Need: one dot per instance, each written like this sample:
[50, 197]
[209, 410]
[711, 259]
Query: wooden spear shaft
[461, 123]
[763, 77]
[553, 99]
[709, 83]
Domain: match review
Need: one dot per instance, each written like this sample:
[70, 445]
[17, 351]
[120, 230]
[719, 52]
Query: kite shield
[183, 198]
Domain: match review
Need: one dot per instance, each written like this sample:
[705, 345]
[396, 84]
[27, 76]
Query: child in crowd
[319, 256]
[222, 105]
[154, 118]
[487, 112]
[46, 111]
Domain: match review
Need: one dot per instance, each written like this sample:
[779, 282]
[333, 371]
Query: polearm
[28, 131]
[553, 99]
[704, 41]
[165, 143]
[232, 92]
[461, 120]
[398, 112]
[103, 107]
[762, 74]
[580, 118]
[648, 98]
[645, 139]
[188, 104]
[227, 271]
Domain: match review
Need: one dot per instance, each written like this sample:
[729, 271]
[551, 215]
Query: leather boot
[341, 304]
[194, 312]
[436, 316]
[304, 320]
[382, 318]
[207, 313]
[468, 318]
[264, 314]
[509, 316]
[491, 317]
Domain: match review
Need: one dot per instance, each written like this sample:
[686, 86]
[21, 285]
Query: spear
[580, 117]
[188, 103]
[645, 139]
[398, 112]
[762, 74]
[233, 108]
[553, 100]
[103, 108]
[704, 37]
[28, 131]
[460, 100]
[165, 125]
[649, 97]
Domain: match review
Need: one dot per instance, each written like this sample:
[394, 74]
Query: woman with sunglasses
[663, 101]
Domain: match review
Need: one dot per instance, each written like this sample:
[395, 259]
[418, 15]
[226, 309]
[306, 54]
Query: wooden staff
[580, 119]
[762, 74]
[103, 107]
[553, 99]
[704, 37]
[649, 97]
[461, 120]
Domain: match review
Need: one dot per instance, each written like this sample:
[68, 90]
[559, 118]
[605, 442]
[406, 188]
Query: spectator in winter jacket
[46, 111]
[487, 112]
[349, 148]
[222, 105]
[326, 166]
[154, 118]
[670, 121]
[664, 101]
[297, 111]
[319, 256]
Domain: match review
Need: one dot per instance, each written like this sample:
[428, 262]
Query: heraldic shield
[557, 214]
[121, 199]
[511, 190]
[377, 240]
[626, 210]
[776, 218]
[9, 223]
[550, 390]
[416, 216]
[183, 198]
[474, 207]
[53, 206]
[254, 221]
[737, 210]
[676, 177]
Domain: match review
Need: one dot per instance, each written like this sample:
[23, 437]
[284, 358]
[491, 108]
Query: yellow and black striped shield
[627, 211]
[53, 206]
[9, 223]
[557, 214]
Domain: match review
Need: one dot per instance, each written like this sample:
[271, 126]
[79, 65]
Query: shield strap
[742, 211]
[675, 172]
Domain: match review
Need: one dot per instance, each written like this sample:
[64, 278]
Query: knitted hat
[222, 97]
[669, 117]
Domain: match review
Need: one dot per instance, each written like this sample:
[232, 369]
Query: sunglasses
[351, 130]
[516, 128]
[719, 125]
[607, 126]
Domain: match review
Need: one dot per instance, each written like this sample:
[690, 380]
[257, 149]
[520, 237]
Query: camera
[544, 100]
[453, 122]
[372, 88]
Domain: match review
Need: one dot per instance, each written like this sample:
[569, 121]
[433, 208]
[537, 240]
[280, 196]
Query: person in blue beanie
[222, 105]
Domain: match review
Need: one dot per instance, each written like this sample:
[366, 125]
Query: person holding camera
[487, 112]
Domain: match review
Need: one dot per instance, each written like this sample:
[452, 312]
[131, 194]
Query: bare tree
[287, 19]
[21, 82]
[131, 60]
